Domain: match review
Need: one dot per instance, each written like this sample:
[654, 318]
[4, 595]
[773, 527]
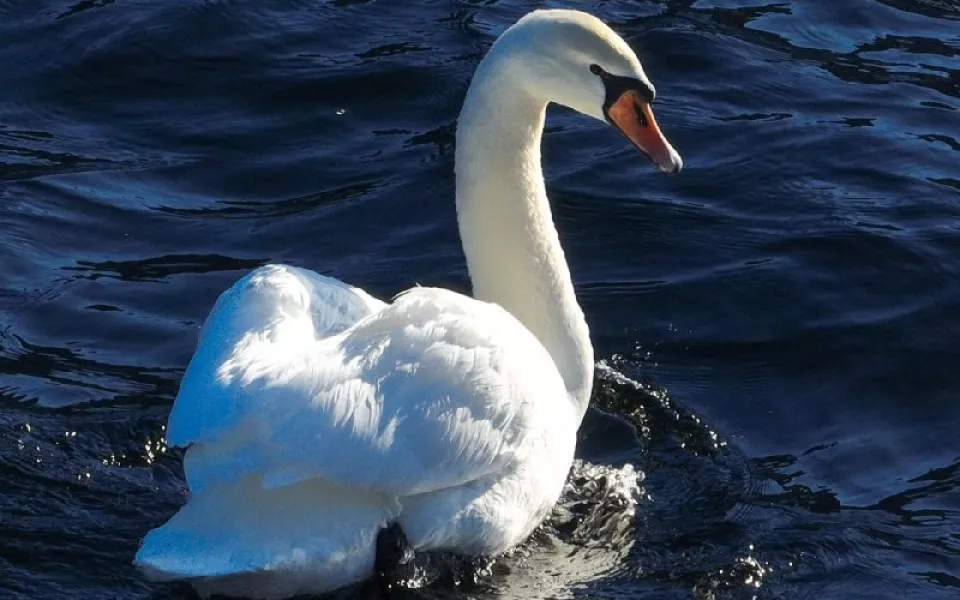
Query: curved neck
[512, 248]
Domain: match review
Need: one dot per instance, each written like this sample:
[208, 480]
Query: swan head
[575, 59]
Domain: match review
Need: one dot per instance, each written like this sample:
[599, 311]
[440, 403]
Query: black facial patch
[616, 85]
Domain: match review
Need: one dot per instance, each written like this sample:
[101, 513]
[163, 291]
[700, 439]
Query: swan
[322, 425]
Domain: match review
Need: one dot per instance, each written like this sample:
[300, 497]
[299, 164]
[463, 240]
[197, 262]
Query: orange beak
[632, 115]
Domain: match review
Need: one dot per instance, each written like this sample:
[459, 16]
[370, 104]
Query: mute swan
[318, 419]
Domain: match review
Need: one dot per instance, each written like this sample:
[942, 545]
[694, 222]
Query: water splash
[599, 504]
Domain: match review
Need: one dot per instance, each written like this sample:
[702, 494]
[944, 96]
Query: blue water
[790, 304]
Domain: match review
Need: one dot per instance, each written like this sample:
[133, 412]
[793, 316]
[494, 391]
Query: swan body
[315, 415]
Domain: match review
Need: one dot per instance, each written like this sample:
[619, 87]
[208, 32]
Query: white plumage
[306, 432]
[314, 414]
[430, 392]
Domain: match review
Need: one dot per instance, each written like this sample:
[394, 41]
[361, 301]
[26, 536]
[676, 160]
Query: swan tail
[242, 539]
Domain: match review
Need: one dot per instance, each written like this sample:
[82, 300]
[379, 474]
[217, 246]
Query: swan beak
[633, 116]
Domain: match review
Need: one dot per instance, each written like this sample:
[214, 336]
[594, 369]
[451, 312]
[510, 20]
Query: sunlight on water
[599, 503]
[746, 573]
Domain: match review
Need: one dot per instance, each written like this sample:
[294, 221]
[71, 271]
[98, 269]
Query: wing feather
[431, 391]
[275, 303]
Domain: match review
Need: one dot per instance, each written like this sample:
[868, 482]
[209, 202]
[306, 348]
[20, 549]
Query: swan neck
[511, 245]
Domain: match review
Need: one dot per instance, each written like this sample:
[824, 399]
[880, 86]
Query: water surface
[779, 323]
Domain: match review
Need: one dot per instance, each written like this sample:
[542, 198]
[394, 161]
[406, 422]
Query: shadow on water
[161, 267]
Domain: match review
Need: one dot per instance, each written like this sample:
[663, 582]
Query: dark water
[791, 301]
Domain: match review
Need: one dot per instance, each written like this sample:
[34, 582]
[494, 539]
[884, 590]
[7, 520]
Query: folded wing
[298, 376]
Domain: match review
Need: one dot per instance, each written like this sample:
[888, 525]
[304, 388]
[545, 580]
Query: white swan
[316, 415]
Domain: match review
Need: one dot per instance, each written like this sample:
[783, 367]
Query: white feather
[432, 391]
[306, 436]
[314, 414]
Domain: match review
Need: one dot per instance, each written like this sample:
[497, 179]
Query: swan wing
[429, 392]
[267, 304]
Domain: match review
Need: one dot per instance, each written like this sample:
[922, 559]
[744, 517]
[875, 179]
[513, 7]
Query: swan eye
[596, 69]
